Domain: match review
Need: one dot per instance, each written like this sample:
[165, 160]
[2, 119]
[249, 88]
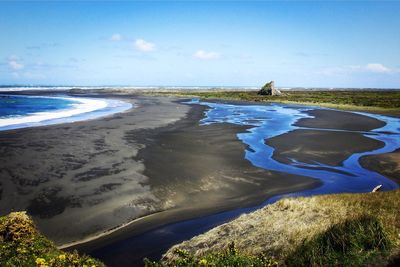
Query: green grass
[354, 242]
[22, 245]
[379, 101]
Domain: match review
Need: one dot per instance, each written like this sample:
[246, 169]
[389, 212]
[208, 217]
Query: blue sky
[323, 44]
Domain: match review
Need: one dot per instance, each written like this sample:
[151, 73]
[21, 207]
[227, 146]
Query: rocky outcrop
[269, 89]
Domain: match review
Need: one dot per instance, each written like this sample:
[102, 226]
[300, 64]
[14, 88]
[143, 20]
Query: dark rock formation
[269, 89]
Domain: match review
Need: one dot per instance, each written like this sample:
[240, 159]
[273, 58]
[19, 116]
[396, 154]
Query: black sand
[327, 147]
[80, 179]
[340, 120]
[386, 164]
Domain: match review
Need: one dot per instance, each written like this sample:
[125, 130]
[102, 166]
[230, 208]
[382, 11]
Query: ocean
[18, 111]
[13, 106]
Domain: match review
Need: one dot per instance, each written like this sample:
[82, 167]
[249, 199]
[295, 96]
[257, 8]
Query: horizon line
[186, 86]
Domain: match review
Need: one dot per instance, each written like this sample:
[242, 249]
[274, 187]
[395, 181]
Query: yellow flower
[61, 257]
[40, 262]
[203, 262]
[93, 265]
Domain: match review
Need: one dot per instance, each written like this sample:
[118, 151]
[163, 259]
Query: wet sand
[326, 147]
[386, 164]
[339, 120]
[202, 164]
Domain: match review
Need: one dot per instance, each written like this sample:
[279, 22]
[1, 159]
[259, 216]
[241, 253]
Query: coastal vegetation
[382, 101]
[21, 244]
[231, 256]
[327, 230]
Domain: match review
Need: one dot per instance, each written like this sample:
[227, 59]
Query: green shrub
[22, 245]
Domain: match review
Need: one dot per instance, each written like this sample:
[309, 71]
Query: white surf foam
[86, 108]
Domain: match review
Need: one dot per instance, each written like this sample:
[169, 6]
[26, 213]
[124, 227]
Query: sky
[201, 43]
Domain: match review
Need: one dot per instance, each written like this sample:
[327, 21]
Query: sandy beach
[83, 172]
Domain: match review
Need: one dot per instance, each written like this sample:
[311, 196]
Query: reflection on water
[273, 120]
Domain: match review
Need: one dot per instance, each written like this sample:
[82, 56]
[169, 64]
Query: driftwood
[376, 188]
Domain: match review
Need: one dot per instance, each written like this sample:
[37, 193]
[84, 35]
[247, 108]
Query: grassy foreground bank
[327, 230]
[375, 101]
[22, 245]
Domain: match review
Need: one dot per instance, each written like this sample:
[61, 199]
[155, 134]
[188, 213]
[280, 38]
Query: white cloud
[144, 46]
[13, 64]
[368, 68]
[376, 67]
[116, 37]
[201, 54]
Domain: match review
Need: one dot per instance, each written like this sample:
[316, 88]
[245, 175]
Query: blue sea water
[18, 111]
[12, 105]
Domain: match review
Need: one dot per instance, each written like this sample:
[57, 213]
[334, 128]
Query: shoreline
[80, 109]
[73, 244]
